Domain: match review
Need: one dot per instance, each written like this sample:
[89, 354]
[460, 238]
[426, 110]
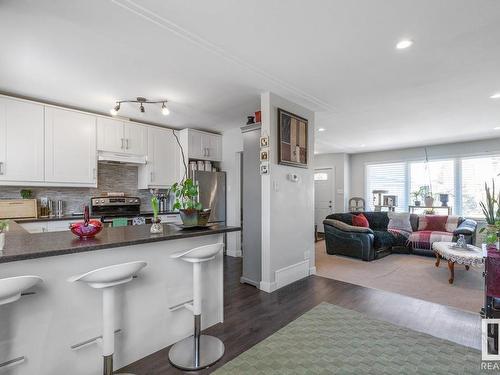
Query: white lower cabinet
[162, 169]
[70, 148]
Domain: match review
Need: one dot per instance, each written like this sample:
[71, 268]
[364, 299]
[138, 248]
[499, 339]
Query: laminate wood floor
[251, 315]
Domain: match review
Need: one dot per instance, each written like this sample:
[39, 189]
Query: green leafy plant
[418, 193]
[4, 225]
[491, 206]
[155, 205]
[26, 193]
[186, 195]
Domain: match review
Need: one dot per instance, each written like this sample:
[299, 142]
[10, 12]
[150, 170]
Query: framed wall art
[292, 139]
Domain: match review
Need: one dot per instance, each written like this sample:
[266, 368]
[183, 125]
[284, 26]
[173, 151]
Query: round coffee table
[473, 256]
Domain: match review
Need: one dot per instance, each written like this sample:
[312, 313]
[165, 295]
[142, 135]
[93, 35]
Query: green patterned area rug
[332, 340]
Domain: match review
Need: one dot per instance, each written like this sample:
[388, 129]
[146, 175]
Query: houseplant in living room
[417, 195]
[491, 210]
[186, 201]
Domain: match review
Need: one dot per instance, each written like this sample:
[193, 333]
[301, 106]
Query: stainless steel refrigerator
[212, 193]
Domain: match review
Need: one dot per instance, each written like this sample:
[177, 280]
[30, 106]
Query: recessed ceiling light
[404, 43]
[495, 96]
[362, 145]
[496, 128]
[321, 129]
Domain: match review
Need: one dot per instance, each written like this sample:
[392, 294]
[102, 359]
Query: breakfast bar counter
[21, 245]
[149, 310]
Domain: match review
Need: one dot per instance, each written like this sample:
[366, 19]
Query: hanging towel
[120, 222]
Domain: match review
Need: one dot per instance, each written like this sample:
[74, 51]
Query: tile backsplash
[111, 177]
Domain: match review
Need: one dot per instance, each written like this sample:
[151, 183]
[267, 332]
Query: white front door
[323, 195]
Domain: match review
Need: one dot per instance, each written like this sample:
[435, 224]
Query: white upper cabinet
[21, 141]
[110, 135]
[121, 137]
[202, 145]
[70, 148]
[136, 138]
[162, 169]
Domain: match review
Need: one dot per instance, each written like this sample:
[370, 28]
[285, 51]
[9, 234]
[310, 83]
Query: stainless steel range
[109, 209]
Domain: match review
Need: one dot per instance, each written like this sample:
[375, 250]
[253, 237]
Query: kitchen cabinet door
[212, 145]
[70, 148]
[136, 138]
[196, 146]
[163, 162]
[21, 141]
[110, 135]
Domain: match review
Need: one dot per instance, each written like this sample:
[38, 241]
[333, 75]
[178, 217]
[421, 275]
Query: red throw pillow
[360, 221]
[435, 223]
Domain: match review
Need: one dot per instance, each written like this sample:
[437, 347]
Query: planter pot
[417, 203]
[2, 241]
[156, 227]
[443, 198]
[429, 201]
[191, 217]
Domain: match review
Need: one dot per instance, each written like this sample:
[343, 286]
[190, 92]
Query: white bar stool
[197, 351]
[106, 279]
[11, 289]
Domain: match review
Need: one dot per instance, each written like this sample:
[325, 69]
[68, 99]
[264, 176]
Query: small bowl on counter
[86, 229]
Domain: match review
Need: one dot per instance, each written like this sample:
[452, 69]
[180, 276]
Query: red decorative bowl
[86, 231]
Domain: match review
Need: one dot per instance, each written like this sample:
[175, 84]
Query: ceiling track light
[141, 100]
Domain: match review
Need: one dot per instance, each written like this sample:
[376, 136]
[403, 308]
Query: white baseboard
[234, 253]
[312, 270]
[294, 272]
[267, 286]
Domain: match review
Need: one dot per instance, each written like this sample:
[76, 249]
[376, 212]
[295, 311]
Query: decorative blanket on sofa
[433, 228]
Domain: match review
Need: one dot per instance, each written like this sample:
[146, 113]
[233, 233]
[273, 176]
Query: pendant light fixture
[141, 100]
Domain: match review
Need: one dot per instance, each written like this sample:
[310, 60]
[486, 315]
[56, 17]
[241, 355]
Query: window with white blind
[475, 172]
[437, 175]
[390, 177]
[462, 178]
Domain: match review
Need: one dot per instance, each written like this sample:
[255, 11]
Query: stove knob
[102, 200]
[137, 201]
[130, 200]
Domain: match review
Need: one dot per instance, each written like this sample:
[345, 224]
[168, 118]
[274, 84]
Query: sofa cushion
[384, 239]
[425, 238]
[343, 217]
[360, 221]
[399, 223]
[377, 220]
[432, 223]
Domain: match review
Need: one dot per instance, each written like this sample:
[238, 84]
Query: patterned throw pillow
[360, 220]
[399, 223]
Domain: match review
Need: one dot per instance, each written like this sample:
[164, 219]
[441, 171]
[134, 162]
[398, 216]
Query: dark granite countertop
[80, 217]
[21, 245]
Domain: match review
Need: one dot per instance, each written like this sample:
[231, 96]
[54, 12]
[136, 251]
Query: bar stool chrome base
[183, 354]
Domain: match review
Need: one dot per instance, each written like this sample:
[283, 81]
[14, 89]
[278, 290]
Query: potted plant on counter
[4, 225]
[186, 201]
[156, 226]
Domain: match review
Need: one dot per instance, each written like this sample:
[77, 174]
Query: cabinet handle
[208, 151]
[126, 142]
[1, 167]
[122, 143]
[151, 176]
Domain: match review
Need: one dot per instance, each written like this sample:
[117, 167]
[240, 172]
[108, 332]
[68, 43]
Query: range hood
[118, 158]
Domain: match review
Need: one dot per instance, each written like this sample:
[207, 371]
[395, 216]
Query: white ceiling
[212, 59]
